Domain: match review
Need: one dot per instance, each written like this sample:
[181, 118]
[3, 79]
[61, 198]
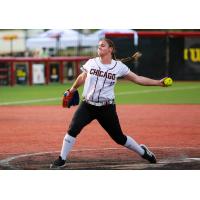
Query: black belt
[103, 103]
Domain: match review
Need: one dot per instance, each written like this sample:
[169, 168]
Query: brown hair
[112, 45]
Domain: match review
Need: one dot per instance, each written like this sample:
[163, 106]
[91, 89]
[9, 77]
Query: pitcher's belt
[103, 103]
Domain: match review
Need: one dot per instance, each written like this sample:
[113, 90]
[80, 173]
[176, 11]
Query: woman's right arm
[79, 81]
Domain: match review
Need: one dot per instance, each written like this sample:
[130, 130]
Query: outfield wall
[39, 70]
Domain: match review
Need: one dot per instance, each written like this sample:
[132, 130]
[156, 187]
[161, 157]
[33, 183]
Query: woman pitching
[99, 76]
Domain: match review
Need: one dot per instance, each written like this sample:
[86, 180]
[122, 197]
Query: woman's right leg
[81, 118]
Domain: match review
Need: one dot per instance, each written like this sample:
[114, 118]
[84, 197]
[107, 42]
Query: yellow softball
[168, 81]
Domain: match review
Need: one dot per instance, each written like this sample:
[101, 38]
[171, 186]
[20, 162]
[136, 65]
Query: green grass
[179, 93]
[126, 93]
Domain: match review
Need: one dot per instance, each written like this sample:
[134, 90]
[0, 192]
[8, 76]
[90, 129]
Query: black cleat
[58, 163]
[148, 155]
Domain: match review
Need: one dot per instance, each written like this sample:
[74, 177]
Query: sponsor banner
[185, 58]
[70, 71]
[38, 73]
[54, 72]
[192, 53]
[21, 73]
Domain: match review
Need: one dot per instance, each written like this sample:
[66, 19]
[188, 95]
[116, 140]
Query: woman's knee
[73, 132]
[121, 140]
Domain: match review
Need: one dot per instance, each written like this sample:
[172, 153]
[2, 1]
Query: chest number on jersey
[112, 83]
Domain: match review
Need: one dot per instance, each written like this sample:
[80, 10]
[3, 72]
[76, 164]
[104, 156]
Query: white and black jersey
[101, 79]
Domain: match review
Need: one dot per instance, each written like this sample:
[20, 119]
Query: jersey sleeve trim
[128, 70]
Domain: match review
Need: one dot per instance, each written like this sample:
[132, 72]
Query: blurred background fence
[43, 57]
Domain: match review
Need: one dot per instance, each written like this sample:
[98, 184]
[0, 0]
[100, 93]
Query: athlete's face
[104, 49]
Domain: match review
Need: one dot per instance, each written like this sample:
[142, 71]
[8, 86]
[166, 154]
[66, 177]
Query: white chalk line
[6, 162]
[117, 94]
[29, 101]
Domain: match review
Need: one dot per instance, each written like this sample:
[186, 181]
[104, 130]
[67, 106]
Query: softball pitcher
[99, 76]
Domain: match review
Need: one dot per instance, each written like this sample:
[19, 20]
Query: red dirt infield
[31, 137]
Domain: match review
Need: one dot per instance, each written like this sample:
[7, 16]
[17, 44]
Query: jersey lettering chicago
[101, 79]
[98, 72]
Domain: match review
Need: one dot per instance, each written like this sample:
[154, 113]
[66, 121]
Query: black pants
[105, 115]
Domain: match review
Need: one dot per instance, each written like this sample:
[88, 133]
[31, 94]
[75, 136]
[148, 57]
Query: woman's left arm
[141, 80]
